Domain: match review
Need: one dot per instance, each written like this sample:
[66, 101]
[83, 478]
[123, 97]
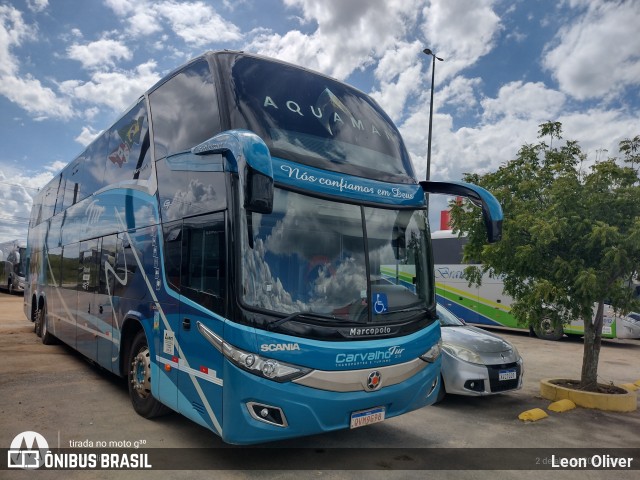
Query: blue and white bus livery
[249, 246]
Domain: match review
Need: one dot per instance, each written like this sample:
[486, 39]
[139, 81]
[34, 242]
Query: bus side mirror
[491, 210]
[258, 195]
[248, 155]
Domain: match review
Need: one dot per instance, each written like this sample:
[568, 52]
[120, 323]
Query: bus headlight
[433, 353]
[261, 366]
[251, 362]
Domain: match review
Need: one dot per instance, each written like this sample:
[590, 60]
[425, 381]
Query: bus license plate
[507, 375]
[367, 417]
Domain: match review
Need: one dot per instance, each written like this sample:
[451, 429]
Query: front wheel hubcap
[141, 373]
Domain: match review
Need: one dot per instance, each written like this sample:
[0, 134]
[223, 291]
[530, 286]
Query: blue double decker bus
[249, 246]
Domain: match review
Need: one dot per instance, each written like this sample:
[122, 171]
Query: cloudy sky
[69, 68]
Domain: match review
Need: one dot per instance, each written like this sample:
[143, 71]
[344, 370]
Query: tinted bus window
[189, 185]
[49, 201]
[128, 157]
[71, 266]
[94, 163]
[106, 278]
[184, 110]
[315, 120]
[60, 195]
[71, 190]
[203, 261]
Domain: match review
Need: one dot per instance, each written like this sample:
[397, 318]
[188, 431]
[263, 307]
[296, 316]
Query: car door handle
[186, 324]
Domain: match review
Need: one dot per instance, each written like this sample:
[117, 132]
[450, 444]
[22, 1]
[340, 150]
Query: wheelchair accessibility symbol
[381, 303]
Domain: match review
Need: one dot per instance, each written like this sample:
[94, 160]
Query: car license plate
[507, 375]
[367, 417]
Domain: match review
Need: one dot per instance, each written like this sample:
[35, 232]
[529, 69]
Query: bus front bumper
[259, 410]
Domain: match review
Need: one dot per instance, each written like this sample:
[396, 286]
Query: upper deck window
[312, 119]
[184, 110]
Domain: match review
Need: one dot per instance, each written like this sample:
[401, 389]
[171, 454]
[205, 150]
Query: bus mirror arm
[248, 155]
[491, 210]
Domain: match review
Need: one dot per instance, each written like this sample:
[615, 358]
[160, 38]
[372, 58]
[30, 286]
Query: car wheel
[139, 379]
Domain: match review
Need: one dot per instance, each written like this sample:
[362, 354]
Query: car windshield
[447, 318]
[311, 256]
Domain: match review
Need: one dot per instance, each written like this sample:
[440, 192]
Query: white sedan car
[476, 362]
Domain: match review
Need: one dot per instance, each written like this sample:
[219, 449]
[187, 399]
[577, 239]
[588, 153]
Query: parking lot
[54, 391]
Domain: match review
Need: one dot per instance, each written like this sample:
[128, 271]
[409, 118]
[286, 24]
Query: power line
[20, 185]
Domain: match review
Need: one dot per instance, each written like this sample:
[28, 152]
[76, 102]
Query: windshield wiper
[408, 309]
[293, 316]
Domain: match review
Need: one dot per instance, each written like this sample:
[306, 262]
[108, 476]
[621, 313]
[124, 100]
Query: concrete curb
[622, 402]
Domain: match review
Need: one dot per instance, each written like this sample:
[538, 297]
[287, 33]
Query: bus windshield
[335, 260]
[312, 119]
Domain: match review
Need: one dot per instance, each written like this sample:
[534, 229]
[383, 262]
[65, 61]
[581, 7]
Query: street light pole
[433, 77]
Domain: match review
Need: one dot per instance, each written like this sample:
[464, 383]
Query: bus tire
[45, 333]
[37, 322]
[546, 330]
[139, 379]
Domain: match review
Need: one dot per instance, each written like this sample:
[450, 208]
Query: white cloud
[144, 22]
[32, 96]
[122, 7]
[99, 54]
[13, 31]
[25, 91]
[17, 189]
[197, 23]
[460, 31]
[117, 90]
[37, 6]
[597, 56]
[400, 74]
[55, 166]
[349, 35]
[87, 135]
[525, 101]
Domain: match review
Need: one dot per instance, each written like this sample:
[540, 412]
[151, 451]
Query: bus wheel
[546, 330]
[37, 324]
[47, 337]
[139, 379]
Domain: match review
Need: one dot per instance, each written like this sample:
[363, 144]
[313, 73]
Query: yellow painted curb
[562, 405]
[620, 402]
[632, 387]
[533, 415]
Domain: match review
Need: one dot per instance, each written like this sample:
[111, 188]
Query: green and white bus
[488, 304]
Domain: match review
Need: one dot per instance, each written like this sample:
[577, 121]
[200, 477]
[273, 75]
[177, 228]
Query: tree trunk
[591, 354]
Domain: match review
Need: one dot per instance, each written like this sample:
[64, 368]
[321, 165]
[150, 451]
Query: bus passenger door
[202, 287]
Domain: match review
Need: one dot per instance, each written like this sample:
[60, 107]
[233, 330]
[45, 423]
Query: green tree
[571, 240]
